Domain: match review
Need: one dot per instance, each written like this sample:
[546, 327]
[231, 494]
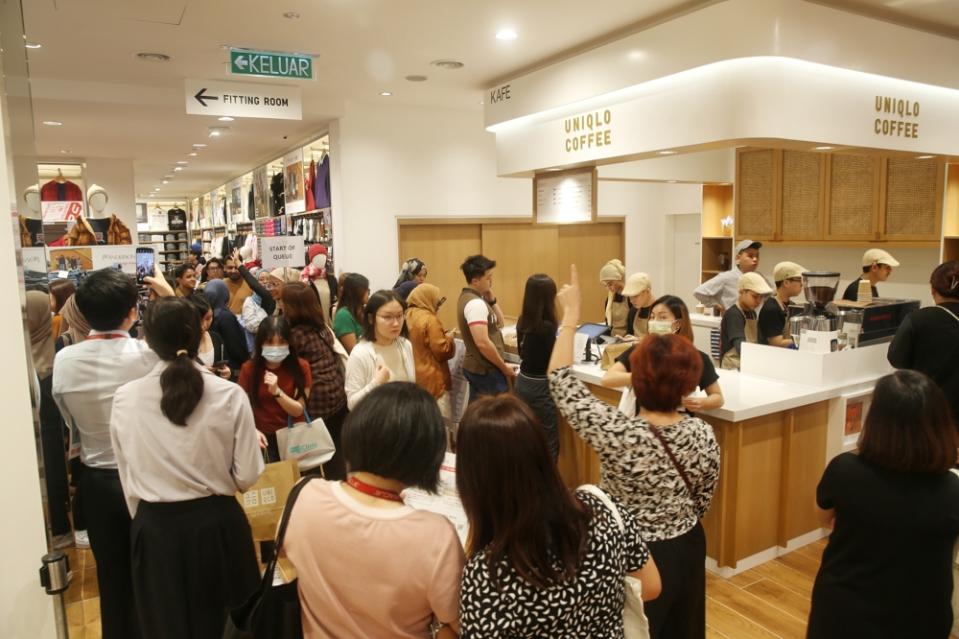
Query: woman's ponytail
[173, 331]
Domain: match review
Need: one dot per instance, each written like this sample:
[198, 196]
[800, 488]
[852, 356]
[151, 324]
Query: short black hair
[476, 266]
[180, 270]
[396, 432]
[105, 298]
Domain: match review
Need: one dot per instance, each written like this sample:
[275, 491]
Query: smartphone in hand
[145, 262]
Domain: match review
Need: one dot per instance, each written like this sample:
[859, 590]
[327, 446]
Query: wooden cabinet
[717, 241]
[950, 215]
[853, 185]
[801, 200]
[756, 188]
[912, 199]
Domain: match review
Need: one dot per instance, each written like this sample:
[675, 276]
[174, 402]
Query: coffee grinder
[820, 320]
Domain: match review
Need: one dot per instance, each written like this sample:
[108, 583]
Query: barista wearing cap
[877, 266]
[723, 289]
[739, 322]
[638, 291]
[617, 308]
[773, 324]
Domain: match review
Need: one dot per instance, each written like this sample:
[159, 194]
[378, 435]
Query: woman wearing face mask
[276, 380]
[384, 354]
[669, 315]
[212, 351]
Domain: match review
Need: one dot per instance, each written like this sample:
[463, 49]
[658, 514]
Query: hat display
[636, 283]
[754, 282]
[747, 244]
[878, 256]
[612, 271]
[785, 270]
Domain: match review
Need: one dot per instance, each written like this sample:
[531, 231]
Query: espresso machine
[820, 322]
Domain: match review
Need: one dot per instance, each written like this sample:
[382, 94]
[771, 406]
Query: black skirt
[192, 562]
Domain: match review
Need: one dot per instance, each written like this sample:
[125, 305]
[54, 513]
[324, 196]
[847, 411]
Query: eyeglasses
[389, 319]
[794, 280]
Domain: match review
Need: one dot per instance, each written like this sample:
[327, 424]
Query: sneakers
[82, 539]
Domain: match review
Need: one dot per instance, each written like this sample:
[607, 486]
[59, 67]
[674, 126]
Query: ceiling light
[291, 15]
[199, 146]
[416, 78]
[506, 34]
[178, 168]
[193, 154]
[925, 157]
[65, 151]
[182, 162]
[385, 94]
[667, 153]
[672, 181]
[167, 177]
[53, 123]
[147, 56]
[824, 148]
[166, 181]
[449, 65]
[637, 55]
[555, 168]
[214, 133]
[225, 118]
[33, 45]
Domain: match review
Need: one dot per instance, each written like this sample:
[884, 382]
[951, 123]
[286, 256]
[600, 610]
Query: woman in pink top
[368, 565]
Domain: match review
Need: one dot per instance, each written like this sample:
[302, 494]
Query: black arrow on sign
[200, 97]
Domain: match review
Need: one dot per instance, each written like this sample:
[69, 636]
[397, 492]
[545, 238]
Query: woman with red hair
[662, 464]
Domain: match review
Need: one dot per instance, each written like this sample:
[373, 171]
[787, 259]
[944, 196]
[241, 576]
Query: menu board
[565, 197]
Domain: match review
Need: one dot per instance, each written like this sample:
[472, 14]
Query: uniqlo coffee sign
[269, 64]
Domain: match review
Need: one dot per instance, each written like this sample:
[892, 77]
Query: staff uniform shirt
[720, 289]
[216, 453]
[732, 329]
[772, 320]
[85, 378]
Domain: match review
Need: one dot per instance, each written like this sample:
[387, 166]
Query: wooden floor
[83, 596]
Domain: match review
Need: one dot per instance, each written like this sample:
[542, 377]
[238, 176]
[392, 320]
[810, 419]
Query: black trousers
[54, 460]
[108, 525]
[335, 469]
[192, 562]
[680, 610]
[535, 392]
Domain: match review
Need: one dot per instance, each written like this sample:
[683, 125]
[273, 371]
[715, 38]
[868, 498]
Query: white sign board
[564, 198]
[35, 259]
[286, 250]
[106, 256]
[243, 99]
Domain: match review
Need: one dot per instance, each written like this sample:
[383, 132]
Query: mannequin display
[31, 224]
[61, 189]
[98, 228]
[322, 280]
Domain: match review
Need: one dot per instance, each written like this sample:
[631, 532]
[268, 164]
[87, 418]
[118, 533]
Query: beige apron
[618, 313]
[640, 325]
[731, 359]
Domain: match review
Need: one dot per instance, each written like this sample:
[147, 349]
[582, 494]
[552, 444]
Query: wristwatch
[277, 393]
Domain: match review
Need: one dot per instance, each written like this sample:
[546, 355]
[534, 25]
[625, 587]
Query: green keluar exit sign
[273, 65]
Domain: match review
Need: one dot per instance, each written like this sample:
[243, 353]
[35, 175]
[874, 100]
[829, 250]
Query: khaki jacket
[432, 347]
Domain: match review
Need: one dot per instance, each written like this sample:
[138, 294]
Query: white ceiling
[113, 105]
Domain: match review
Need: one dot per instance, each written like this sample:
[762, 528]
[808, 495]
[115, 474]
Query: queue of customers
[166, 439]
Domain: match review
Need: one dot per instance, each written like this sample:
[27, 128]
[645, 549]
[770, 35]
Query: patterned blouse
[327, 396]
[634, 465]
[588, 606]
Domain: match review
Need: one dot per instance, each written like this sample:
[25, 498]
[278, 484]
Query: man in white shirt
[85, 378]
[723, 289]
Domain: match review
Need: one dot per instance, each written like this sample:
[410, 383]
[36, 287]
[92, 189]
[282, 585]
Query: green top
[344, 323]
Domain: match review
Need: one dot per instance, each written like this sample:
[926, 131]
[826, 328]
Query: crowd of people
[174, 406]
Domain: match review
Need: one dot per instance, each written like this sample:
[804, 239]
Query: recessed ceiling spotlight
[506, 33]
[925, 157]
[637, 55]
[672, 181]
[823, 148]
[167, 177]
[65, 151]
[291, 15]
[53, 123]
[193, 154]
[385, 94]
[449, 65]
[225, 118]
[199, 146]
[182, 162]
[147, 56]
[214, 133]
[33, 45]
[416, 78]
[166, 181]
[667, 153]
[178, 168]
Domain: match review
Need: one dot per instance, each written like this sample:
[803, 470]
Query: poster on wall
[236, 201]
[294, 189]
[35, 259]
[284, 250]
[112, 256]
[71, 259]
[261, 192]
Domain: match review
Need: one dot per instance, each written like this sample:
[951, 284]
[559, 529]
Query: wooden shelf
[728, 238]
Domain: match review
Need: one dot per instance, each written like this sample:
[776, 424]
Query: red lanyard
[108, 336]
[373, 491]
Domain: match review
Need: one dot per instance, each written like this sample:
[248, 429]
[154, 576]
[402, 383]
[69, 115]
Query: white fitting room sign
[285, 250]
[243, 99]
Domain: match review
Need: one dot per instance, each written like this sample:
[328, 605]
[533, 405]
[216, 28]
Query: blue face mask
[275, 354]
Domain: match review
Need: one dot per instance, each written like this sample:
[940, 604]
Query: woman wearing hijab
[76, 324]
[226, 325]
[40, 325]
[412, 275]
[433, 346]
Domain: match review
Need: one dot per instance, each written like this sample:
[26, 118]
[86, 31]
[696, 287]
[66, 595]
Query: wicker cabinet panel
[755, 215]
[852, 183]
[912, 199]
[802, 195]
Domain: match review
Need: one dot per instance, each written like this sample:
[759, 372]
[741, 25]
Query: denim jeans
[489, 384]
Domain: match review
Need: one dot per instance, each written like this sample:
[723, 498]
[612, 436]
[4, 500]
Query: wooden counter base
[766, 497]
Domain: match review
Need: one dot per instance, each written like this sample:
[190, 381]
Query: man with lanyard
[480, 319]
[739, 322]
[774, 316]
[877, 266]
[723, 289]
[85, 377]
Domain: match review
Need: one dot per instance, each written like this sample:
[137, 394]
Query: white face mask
[660, 327]
[275, 354]
[206, 358]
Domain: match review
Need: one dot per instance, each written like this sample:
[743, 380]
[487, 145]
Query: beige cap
[636, 284]
[747, 244]
[878, 256]
[285, 274]
[785, 270]
[612, 271]
[754, 282]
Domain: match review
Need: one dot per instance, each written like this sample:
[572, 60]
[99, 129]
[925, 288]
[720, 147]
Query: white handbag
[308, 442]
[635, 623]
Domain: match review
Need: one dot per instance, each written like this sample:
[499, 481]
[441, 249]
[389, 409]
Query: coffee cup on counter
[701, 309]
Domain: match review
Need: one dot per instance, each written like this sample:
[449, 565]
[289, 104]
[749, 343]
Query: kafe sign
[243, 100]
[285, 250]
